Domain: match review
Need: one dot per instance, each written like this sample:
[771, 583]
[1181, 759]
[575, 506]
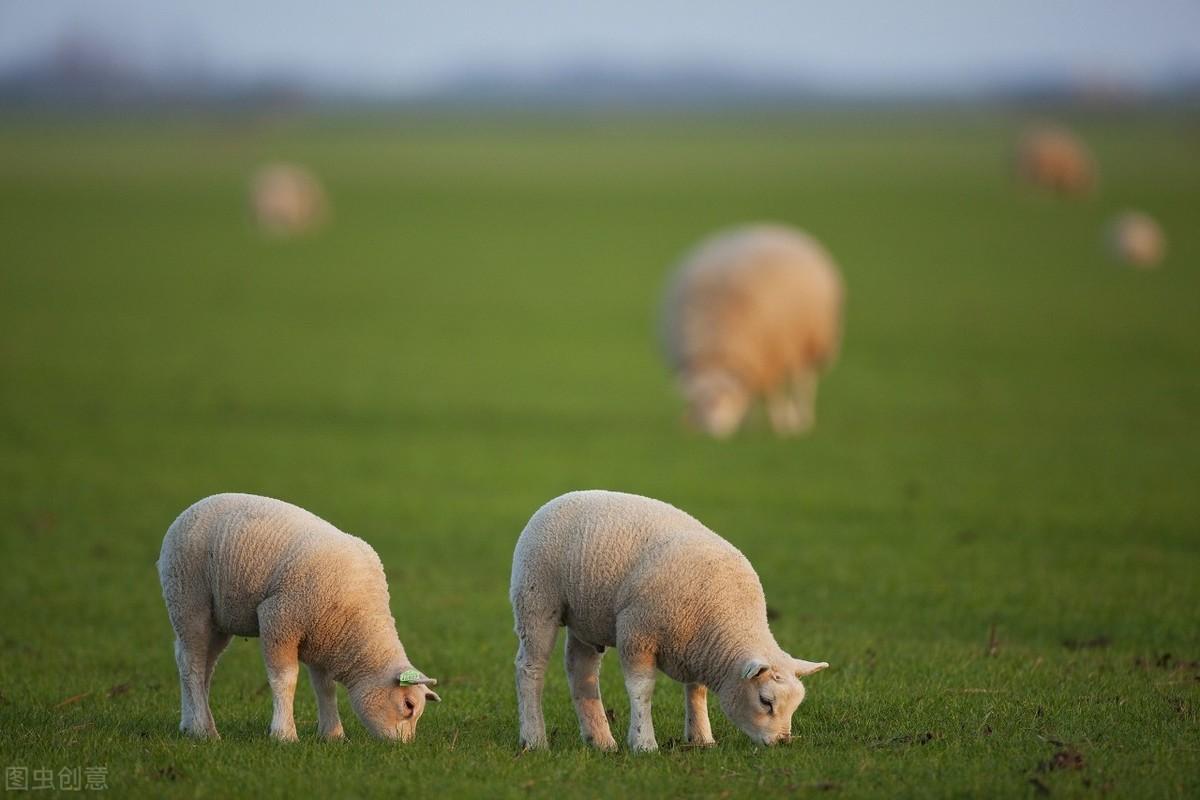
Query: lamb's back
[759, 300]
[245, 548]
[596, 552]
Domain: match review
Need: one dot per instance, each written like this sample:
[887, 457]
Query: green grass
[1008, 450]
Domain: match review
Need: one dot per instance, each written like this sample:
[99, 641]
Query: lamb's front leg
[696, 729]
[281, 654]
[329, 722]
[639, 683]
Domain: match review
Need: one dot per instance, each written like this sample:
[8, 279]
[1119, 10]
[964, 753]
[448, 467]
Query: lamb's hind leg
[791, 407]
[804, 398]
[536, 629]
[583, 674]
[194, 635]
[217, 642]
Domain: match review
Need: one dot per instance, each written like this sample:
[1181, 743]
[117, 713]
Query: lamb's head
[716, 401]
[390, 704]
[764, 695]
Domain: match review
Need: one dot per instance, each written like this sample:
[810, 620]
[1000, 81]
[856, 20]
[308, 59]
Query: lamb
[1054, 158]
[243, 565]
[638, 574]
[287, 200]
[1136, 239]
[753, 311]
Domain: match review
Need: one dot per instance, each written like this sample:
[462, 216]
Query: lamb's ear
[430, 694]
[803, 667]
[414, 677]
[754, 667]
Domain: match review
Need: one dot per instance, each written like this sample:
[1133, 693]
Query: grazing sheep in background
[1135, 238]
[638, 574]
[753, 311]
[1054, 158]
[243, 565]
[287, 200]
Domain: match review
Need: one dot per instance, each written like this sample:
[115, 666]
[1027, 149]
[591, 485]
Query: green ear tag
[410, 677]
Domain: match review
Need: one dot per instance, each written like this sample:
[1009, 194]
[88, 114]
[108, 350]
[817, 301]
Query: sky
[395, 45]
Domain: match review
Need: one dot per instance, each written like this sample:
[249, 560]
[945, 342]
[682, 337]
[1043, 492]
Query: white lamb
[638, 574]
[287, 200]
[1135, 238]
[243, 565]
[1052, 157]
[754, 311]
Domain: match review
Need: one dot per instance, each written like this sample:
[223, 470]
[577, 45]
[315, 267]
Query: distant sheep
[242, 565]
[1054, 158]
[753, 311]
[287, 200]
[637, 574]
[1135, 238]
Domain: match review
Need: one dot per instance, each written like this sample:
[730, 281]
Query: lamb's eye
[769, 705]
[409, 704]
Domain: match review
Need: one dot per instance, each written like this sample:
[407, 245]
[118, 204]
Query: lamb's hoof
[284, 736]
[337, 735]
[644, 747]
[534, 744]
[199, 733]
[606, 744]
[702, 742]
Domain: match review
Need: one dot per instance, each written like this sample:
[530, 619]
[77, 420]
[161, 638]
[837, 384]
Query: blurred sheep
[1136, 239]
[1054, 158]
[752, 312]
[287, 200]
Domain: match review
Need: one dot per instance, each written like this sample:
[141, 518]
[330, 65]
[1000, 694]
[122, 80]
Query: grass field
[993, 534]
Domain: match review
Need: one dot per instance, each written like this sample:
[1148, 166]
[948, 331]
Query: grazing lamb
[287, 200]
[1136, 239]
[1053, 158]
[638, 574]
[243, 565]
[753, 311]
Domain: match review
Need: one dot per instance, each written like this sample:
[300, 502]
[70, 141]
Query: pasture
[993, 534]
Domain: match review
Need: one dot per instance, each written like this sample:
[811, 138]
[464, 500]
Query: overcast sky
[397, 45]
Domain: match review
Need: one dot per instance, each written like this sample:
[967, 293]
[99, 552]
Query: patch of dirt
[119, 689]
[1065, 759]
[42, 523]
[168, 773]
[1167, 662]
